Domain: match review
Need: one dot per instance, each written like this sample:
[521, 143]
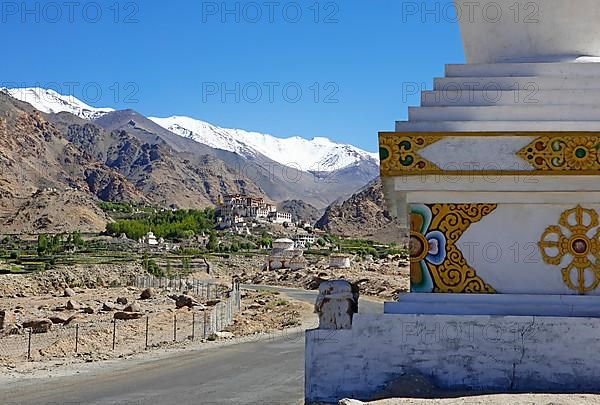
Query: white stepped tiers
[562, 96]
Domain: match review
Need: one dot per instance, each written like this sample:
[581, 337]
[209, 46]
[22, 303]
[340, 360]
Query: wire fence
[106, 338]
[201, 288]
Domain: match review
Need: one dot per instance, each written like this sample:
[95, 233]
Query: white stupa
[497, 173]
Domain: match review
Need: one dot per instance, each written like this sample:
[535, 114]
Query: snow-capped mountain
[316, 155]
[49, 101]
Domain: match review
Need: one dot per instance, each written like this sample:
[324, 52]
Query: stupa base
[480, 353]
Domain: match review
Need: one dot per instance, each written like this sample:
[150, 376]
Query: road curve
[269, 371]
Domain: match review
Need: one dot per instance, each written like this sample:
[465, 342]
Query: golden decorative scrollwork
[399, 153]
[583, 250]
[563, 153]
[455, 275]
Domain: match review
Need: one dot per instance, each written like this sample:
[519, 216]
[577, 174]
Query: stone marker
[336, 304]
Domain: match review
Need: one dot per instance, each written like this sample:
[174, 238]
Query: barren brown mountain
[363, 215]
[167, 177]
[34, 156]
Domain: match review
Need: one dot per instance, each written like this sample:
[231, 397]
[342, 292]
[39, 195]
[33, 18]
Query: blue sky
[308, 68]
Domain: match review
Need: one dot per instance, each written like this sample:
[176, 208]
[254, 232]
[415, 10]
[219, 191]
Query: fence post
[193, 325]
[147, 322]
[76, 337]
[175, 328]
[114, 342]
[216, 316]
[219, 325]
[29, 344]
[205, 324]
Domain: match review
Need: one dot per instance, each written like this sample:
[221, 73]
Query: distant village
[241, 214]
[246, 215]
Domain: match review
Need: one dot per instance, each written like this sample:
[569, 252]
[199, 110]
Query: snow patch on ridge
[319, 154]
[51, 102]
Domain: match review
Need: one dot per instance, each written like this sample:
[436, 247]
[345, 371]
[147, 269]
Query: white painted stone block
[467, 352]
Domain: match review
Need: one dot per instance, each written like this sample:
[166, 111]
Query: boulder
[73, 318]
[108, 306]
[127, 316]
[147, 294]
[212, 303]
[134, 307]
[122, 301]
[185, 301]
[87, 310]
[39, 325]
[72, 305]
[314, 283]
[57, 320]
[69, 292]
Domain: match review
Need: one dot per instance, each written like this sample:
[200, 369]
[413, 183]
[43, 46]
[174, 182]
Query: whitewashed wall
[453, 352]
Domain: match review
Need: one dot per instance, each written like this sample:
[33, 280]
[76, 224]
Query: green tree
[42, 244]
[185, 264]
[77, 239]
[212, 241]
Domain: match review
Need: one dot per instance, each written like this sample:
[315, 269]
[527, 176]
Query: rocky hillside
[363, 215]
[300, 210]
[277, 181]
[55, 212]
[166, 177]
[34, 156]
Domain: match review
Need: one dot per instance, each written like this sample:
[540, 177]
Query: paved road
[259, 372]
[364, 305]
